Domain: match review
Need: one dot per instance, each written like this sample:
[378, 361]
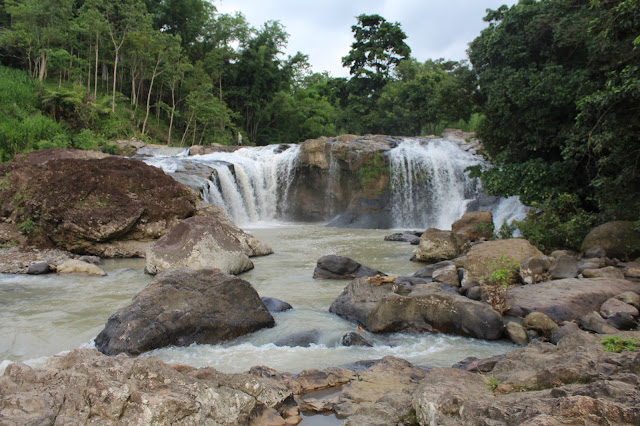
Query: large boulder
[392, 307]
[342, 268]
[201, 242]
[568, 299]
[618, 239]
[541, 384]
[479, 260]
[181, 307]
[436, 245]
[474, 225]
[86, 387]
[83, 204]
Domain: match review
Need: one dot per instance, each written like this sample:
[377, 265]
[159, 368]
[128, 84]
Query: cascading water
[429, 184]
[251, 184]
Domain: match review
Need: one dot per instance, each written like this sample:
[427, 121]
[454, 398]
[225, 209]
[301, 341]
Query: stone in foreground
[425, 308]
[84, 387]
[181, 307]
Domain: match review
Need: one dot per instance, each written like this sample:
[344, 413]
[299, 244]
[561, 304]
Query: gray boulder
[427, 271]
[564, 267]
[354, 339]
[474, 225]
[622, 321]
[516, 333]
[39, 268]
[618, 239]
[533, 269]
[200, 242]
[426, 308]
[181, 307]
[607, 272]
[594, 322]
[614, 305]
[447, 275]
[540, 323]
[342, 268]
[275, 305]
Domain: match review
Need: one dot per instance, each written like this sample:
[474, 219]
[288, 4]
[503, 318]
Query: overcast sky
[322, 28]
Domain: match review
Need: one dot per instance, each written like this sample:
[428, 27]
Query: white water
[430, 187]
[251, 184]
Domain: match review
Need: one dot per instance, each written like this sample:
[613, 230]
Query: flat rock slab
[181, 307]
[568, 299]
[423, 308]
[342, 268]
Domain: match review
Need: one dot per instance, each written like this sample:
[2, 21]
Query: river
[44, 315]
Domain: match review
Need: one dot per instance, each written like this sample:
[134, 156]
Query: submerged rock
[425, 308]
[301, 338]
[74, 266]
[342, 268]
[181, 307]
[354, 339]
[275, 305]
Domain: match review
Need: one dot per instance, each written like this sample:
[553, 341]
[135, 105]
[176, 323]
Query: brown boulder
[607, 272]
[477, 263]
[565, 300]
[436, 245]
[181, 307]
[77, 204]
[474, 225]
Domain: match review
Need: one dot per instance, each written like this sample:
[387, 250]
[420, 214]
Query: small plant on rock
[503, 275]
[619, 344]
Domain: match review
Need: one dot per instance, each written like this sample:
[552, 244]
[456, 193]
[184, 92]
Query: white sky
[322, 28]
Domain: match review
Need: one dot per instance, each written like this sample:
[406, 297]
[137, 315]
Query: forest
[552, 88]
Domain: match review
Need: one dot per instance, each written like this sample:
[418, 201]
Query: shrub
[86, 140]
[503, 275]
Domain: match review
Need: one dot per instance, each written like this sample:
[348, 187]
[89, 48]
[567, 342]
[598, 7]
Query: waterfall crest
[427, 183]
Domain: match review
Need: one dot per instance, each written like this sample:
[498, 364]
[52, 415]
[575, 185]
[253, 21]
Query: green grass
[619, 344]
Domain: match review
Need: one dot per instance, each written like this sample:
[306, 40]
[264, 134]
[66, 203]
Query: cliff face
[347, 175]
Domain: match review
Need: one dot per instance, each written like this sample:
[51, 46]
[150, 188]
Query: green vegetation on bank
[559, 87]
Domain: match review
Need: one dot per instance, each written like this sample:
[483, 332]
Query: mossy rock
[618, 239]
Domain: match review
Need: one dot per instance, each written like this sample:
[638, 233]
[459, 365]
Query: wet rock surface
[423, 308]
[181, 307]
[342, 268]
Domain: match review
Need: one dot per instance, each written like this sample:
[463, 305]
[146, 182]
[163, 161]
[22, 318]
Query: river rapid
[44, 315]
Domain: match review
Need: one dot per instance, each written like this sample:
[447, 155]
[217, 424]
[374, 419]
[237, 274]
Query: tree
[559, 85]
[378, 48]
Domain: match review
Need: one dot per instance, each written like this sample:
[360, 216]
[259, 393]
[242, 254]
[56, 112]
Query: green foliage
[492, 383]
[485, 228]
[27, 227]
[373, 170]
[109, 148]
[503, 273]
[86, 140]
[559, 90]
[619, 344]
[506, 230]
[559, 222]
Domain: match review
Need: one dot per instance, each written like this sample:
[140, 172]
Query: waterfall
[429, 185]
[251, 184]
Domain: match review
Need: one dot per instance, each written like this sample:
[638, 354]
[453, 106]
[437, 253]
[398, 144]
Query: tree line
[190, 75]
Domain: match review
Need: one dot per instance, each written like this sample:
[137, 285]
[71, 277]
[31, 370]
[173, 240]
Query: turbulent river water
[45, 315]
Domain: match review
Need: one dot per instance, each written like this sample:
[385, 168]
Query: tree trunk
[184, 135]
[153, 77]
[115, 74]
[43, 66]
[173, 109]
[95, 76]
